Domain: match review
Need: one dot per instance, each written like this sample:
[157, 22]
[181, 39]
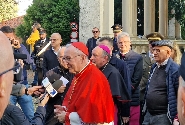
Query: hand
[16, 44]
[44, 101]
[61, 117]
[21, 63]
[125, 119]
[61, 89]
[175, 122]
[39, 92]
[58, 109]
[34, 89]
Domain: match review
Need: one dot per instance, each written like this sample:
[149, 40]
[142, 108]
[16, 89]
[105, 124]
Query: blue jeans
[26, 104]
[156, 119]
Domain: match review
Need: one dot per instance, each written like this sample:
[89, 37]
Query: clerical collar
[55, 51]
[103, 67]
[163, 63]
[85, 66]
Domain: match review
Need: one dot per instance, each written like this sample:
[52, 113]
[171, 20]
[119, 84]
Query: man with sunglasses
[147, 63]
[161, 91]
[91, 42]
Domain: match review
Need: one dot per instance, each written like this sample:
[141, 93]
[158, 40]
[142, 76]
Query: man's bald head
[6, 79]
[56, 40]
[6, 53]
[57, 35]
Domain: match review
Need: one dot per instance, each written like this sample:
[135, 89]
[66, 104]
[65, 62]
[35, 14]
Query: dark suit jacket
[146, 71]
[13, 115]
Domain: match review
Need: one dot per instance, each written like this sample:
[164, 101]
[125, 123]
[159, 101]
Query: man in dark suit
[91, 42]
[38, 58]
[50, 60]
[147, 63]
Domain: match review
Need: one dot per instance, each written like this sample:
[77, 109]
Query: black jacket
[50, 61]
[13, 115]
[91, 45]
[135, 64]
[39, 46]
[58, 99]
[147, 63]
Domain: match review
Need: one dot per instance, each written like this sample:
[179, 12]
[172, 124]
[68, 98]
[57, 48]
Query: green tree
[53, 15]
[179, 7]
[8, 9]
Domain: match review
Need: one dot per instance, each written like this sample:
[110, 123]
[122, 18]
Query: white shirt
[55, 51]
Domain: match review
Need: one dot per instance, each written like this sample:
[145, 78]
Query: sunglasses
[95, 31]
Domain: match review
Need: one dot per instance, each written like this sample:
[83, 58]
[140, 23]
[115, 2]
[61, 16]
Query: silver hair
[123, 34]
[61, 50]
[106, 54]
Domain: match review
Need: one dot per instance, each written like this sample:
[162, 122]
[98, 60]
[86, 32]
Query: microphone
[51, 89]
[52, 76]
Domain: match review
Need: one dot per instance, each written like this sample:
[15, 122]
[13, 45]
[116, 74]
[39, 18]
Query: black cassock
[120, 94]
[117, 84]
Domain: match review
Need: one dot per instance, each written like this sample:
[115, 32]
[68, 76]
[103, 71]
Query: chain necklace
[75, 82]
[104, 67]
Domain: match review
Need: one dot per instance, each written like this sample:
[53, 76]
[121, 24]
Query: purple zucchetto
[105, 48]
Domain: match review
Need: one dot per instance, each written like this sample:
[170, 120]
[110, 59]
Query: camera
[18, 72]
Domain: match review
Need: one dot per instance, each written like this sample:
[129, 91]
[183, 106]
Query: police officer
[117, 29]
[147, 63]
[39, 45]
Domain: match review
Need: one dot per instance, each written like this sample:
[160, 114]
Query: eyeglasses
[53, 39]
[69, 58]
[14, 69]
[95, 31]
[157, 50]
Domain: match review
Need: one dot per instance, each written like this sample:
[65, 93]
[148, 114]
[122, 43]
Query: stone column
[129, 17]
[171, 26]
[163, 17]
[149, 16]
[108, 18]
[91, 15]
[177, 30]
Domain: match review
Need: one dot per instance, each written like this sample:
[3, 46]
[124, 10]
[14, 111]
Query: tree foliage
[179, 7]
[8, 9]
[53, 15]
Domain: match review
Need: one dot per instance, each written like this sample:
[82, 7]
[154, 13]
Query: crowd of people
[107, 82]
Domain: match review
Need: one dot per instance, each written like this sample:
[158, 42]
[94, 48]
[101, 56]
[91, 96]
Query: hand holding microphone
[44, 100]
[51, 89]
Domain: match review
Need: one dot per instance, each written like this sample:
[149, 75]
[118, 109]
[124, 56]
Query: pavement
[30, 76]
